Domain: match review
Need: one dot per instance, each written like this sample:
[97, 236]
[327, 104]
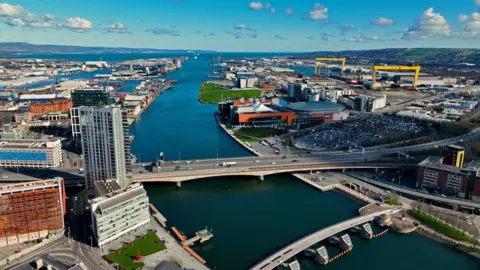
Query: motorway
[279, 257]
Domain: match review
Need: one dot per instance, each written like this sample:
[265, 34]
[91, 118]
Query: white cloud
[326, 36]
[361, 38]
[241, 26]
[347, 27]
[78, 24]
[16, 22]
[255, 6]
[477, 3]
[429, 24]
[289, 11]
[272, 10]
[8, 10]
[117, 28]
[471, 25]
[462, 18]
[382, 21]
[48, 17]
[18, 16]
[319, 12]
[279, 37]
[268, 5]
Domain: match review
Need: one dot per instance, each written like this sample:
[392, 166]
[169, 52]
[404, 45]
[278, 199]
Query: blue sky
[242, 25]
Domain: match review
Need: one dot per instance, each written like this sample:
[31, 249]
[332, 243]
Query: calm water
[251, 219]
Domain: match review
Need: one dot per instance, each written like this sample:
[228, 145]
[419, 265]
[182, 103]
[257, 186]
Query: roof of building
[166, 265]
[135, 97]
[46, 260]
[116, 197]
[105, 187]
[39, 96]
[435, 162]
[42, 143]
[315, 106]
[456, 147]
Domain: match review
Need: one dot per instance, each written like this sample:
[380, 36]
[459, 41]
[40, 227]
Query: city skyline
[242, 25]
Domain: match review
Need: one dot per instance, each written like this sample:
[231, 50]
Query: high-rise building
[454, 155]
[105, 144]
[87, 97]
[118, 211]
[31, 211]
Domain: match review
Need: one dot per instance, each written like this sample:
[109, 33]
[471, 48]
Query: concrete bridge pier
[321, 255]
[261, 177]
[366, 231]
[290, 266]
[345, 242]
[179, 184]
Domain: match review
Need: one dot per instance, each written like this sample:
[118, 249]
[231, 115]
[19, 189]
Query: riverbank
[155, 94]
[232, 135]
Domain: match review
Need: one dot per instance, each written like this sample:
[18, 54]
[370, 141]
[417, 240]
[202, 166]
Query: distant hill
[430, 55]
[14, 48]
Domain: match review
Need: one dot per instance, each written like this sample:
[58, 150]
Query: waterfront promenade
[279, 257]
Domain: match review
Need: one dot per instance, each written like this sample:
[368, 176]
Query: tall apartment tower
[105, 145]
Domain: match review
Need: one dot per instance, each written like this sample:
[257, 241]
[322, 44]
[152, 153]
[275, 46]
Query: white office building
[43, 153]
[119, 212]
[105, 145]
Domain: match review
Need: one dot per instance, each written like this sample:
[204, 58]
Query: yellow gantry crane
[317, 61]
[401, 68]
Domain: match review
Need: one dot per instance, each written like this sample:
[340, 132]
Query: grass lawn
[125, 255]
[246, 139]
[440, 226]
[212, 93]
[259, 132]
[393, 202]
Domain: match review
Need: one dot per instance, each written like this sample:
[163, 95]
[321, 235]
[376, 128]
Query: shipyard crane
[401, 68]
[317, 61]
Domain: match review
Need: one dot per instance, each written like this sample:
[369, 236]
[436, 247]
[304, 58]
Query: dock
[158, 216]
[202, 236]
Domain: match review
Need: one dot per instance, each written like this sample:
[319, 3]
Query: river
[252, 219]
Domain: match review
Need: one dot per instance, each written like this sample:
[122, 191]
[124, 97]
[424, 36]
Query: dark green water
[252, 219]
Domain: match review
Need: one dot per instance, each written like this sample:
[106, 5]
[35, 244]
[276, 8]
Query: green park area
[125, 256]
[440, 227]
[212, 93]
[255, 134]
[393, 202]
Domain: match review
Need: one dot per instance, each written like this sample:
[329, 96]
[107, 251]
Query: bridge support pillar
[346, 242]
[261, 177]
[321, 255]
[366, 231]
[343, 170]
[179, 184]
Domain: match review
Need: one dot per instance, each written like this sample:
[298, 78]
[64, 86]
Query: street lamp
[178, 157]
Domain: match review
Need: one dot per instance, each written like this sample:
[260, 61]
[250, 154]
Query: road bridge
[258, 170]
[416, 193]
[276, 259]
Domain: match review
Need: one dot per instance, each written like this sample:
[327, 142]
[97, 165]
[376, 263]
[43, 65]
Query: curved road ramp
[298, 246]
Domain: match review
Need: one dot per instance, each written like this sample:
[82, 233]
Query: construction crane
[317, 61]
[401, 68]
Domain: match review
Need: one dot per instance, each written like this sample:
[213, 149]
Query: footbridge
[293, 249]
[257, 170]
